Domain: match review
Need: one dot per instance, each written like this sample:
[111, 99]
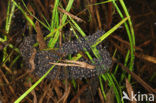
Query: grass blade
[33, 86]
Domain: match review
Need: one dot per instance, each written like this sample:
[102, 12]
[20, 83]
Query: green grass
[130, 32]
[57, 23]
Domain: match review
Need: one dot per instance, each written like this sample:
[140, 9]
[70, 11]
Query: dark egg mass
[43, 58]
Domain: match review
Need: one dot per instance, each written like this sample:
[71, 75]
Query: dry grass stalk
[75, 64]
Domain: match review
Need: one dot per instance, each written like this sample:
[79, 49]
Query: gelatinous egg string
[43, 58]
